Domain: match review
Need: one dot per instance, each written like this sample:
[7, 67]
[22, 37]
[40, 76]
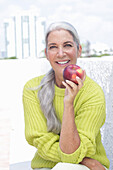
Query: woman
[63, 121]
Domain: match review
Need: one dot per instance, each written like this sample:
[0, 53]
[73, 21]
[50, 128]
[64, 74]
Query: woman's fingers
[92, 164]
[69, 85]
[80, 82]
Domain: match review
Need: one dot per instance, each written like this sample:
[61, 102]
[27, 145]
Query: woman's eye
[67, 45]
[52, 47]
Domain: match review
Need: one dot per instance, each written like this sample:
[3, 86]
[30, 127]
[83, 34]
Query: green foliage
[42, 54]
[7, 58]
[104, 55]
[95, 55]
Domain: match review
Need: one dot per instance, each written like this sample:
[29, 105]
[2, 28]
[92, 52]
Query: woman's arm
[36, 128]
[77, 140]
[69, 137]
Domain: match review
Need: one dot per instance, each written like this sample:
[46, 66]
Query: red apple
[71, 71]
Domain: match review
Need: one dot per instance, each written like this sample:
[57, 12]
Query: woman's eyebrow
[68, 42]
[51, 44]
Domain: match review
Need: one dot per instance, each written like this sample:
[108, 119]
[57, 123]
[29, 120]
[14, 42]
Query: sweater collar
[59, 91]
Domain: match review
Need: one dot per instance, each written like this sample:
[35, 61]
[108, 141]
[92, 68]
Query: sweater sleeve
[89, 118]
[87, 135]
[35, 127]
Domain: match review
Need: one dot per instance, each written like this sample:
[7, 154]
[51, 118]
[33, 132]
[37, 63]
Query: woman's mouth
[63, 62]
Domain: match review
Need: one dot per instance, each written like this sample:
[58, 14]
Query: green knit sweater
[89, 107]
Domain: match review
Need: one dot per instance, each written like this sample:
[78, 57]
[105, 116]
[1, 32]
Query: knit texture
[90, 114]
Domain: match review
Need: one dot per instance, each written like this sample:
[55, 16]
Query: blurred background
[23, 24]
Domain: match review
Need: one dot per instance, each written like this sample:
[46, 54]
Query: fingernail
[62, 82]
[67, 81]
[77, 77]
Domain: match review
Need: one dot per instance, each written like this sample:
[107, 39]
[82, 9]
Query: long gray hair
[46, 91]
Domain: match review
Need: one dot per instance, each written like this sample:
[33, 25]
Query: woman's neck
[59, 83]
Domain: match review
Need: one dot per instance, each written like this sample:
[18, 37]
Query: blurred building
[86, 48]
[24, 35]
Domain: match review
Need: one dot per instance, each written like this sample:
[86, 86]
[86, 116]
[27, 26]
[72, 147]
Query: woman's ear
[46, 53]
[79, 51]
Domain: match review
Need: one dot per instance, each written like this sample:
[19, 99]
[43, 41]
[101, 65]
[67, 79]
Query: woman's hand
[92, 164]
[72, 89]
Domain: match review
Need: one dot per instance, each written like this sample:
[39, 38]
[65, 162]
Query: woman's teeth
[63, 62]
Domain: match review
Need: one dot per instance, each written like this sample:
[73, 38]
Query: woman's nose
[60, 52]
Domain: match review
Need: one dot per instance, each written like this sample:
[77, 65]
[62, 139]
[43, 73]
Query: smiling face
[61, 51]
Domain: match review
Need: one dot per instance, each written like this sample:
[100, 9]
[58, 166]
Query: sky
[93, 19]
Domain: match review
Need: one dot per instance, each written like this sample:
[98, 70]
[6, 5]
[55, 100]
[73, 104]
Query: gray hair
[46, 96]
[47, 91]
[63, 25]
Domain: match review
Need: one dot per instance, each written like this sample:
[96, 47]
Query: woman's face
[61, 51]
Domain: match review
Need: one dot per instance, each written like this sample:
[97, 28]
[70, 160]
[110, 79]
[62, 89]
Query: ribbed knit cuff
[76, 157]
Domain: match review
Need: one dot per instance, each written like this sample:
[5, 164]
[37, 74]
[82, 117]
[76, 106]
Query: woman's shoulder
[31, 87]
[92, 84]
[34, 82]
[92, 88]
